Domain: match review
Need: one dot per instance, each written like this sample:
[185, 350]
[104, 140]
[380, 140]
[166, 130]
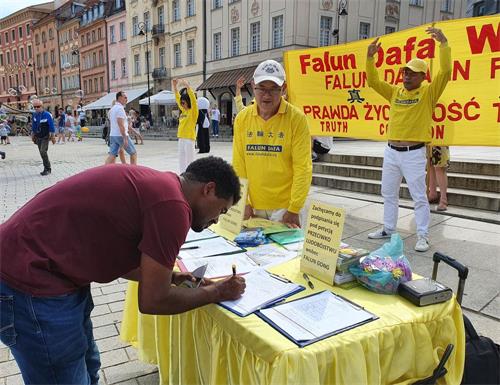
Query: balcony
[159, 73]
[158, 29]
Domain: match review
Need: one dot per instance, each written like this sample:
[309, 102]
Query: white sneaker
[422, 244]
[379, 234]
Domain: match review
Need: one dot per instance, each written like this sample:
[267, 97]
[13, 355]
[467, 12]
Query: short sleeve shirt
[117, 111]
[74, 232]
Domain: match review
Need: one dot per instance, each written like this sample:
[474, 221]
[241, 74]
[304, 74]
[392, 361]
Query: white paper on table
[220, 265]
[194, 236]
[261, 289]
[297, 246]
[208, 247]
[316, 316]
[270, 255]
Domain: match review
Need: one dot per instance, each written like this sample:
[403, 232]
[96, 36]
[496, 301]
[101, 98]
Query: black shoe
[45, 172]
[2, 154]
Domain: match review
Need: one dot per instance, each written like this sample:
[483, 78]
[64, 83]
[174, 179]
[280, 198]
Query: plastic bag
[384, 269]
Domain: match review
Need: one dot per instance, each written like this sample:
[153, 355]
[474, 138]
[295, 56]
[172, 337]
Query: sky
[11, 6]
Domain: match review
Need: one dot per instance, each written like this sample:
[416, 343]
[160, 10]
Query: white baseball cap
[269, 70]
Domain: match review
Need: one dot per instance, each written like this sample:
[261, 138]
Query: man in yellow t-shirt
[409, 131]
[272, 149]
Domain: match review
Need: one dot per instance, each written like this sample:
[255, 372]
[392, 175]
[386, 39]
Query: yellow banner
[329, 83]
[232, 221]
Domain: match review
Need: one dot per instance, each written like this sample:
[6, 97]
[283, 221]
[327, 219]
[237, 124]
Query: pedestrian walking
[43, 130]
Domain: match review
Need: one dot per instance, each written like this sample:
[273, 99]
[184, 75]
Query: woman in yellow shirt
[186, 132]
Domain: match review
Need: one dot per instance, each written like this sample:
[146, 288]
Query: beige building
[240, 34]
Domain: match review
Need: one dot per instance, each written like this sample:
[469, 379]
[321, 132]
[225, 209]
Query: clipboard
[293, 289]
[305, 342]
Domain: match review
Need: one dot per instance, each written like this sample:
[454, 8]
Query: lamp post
[143, 31]
[76, 53]
[341, 11]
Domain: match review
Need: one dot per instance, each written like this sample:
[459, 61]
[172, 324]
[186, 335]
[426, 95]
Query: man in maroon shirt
[63, 239]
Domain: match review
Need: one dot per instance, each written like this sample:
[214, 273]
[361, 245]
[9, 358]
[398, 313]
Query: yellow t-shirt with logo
[187, 118]
[275, 156]
[410, 116]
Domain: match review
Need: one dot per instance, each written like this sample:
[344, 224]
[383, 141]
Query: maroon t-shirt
[93, 227]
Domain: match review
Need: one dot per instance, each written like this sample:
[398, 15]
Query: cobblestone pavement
[475, 243]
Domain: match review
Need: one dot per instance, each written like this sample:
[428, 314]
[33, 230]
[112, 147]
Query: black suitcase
[482, 355]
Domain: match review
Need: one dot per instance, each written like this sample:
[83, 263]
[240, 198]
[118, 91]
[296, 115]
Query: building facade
[17, 66]
[117, 47]
[93, 50]
[67, 26]
[482, 7]
[241, 34]
[47, 61]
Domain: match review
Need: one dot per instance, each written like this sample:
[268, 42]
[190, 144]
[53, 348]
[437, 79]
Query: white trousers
[186, 153]
[411, 166]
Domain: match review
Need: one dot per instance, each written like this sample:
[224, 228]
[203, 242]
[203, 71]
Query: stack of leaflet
[348, 256]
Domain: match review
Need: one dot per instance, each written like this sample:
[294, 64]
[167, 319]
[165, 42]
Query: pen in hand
[190, 247]
[309, 283]
[234, 270]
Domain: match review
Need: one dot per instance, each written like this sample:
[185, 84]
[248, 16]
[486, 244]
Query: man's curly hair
[215, 169]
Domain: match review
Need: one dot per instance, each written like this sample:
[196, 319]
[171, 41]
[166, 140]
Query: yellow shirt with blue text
[187, 118]
[410, 116]
[275, 156]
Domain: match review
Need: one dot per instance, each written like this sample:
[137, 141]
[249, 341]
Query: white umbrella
[161, 98]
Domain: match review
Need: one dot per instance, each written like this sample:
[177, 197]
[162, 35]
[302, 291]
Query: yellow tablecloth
[212, 346]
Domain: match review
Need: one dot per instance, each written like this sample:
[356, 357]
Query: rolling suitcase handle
[463, 271]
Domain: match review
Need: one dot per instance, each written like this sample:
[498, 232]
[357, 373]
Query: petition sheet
[316, 316]
[194, 236]
[270, 255]
[207, 248]
[221, 265]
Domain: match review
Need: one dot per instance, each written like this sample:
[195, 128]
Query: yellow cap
[417, 65]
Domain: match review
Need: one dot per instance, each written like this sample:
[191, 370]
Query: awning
[106, 101]
[227, 78]
[161, 98]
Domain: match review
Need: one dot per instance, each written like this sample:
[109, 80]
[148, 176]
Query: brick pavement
[20, 180]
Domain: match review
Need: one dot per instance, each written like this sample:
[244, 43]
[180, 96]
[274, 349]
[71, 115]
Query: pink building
[117, 47]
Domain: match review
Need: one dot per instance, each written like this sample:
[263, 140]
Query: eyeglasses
[37, 106]
[270, 91]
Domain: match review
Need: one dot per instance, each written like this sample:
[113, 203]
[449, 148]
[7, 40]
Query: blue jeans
[215, 127]
[50, 338]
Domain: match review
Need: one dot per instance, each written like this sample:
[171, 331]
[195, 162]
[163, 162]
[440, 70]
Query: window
[161, 15]
[278, 32]
[135, 25]
[217, 46]
[235, 42]
[101, 81]
[190, 52]
[1, 59]
[54, 81]
[32, 79]
[47, 82]
[124, 67]
[176, 12]
[90, 86]
[93, 36]
[417, 3]
[137, 65]
[13, 35]
[14, 56]
[99, 34]
[6, 37]
[364, 30]
[118, 4]
[38, 61]
[101, 58]
[85, 88]
[478, 9]
[94, 60]
[177, 55]
[255, 37]
[28, 29]
[123, 35]
[30, 54]
[447, 6]
[45, 59]
[24, 79]
[44, 37]
[325, 31]
[112, 34]
[389, 30]
[7, 55]
[217, 3]
[20, 32]
[161, 57]
[147, 21]
[21, 53]
[37, 39]
[51, 33]
[190, 8]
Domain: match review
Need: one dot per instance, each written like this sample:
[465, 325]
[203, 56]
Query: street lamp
[341, 11]
[76, 53]
[143, 31]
